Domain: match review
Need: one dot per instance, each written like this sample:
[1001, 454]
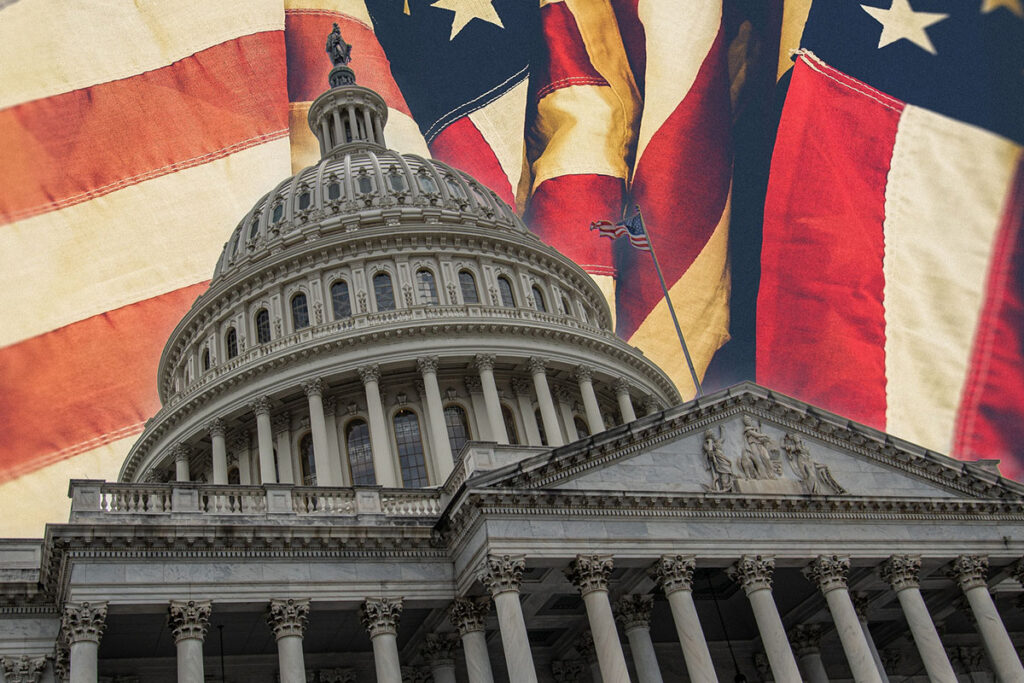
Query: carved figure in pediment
[722, 476]
[756, 461]
[814, 477]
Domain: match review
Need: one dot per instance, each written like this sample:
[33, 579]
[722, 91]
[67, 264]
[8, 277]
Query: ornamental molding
[484, 362]
[502, 573]
[583, 373]
[83, 622]
[589, 573]
[634, 611]
[828, 572]
[314, 387]
[753, 572]
[217, 427]
[260, 405]
[281, 423]
[288, 617]
[23, 669]
[537, 365]
[970, 571]
[674, 572]
[369, 373]
[188, 619]
[901, 571]
[469, 614]
[380, 616]
[427, 364]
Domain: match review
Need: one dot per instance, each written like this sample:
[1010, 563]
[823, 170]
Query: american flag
[632, 227]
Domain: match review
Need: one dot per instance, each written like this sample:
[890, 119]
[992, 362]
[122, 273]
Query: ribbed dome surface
[359, 179]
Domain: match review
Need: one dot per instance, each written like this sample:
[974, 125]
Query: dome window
[508, 299]
[397, 181]
[334, 191]
[364, 184]
[538, 299]
[206, 360]
[427, 287]
[410, 449]
[340, 301]
[254, 227]
[458, 427]
[300, 312]
[510, 425]
[480, 198]
[305, 199]
[360, 457]
[453, 188]
[426, 183]
[277, 214]
[565, 307]
[307, 461]
[467, 283]
[262, 326]
[383, 292]
[231, 342]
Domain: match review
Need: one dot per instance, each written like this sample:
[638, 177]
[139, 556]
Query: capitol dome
[373, 313]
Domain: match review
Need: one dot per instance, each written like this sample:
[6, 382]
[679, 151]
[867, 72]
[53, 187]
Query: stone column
[468, 617]
[282, 426]
[589, 573]
[23, 669]
[860, 603]
[547, 406]
[565, 399]
[830, 573]
[634, 613]
[674, 573]
[585, 378]
[485, 366]
[339, 474]
[265, 439]
[380, 618]
[380, 445]
[971, 572]
[651, 404]
[83, 624]
[502, 575]
[218, 430]
[314, 389]
[476, 398]
[625, 402]
[443, 457]
[240, 450]
[806, 640]
[188, 621]
[288, 619]
[754, 574]
[181, 453]
[439, 653]
[901, 572]
[522, 390]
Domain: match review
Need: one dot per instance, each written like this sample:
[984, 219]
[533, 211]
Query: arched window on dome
[254, 227]
[383, 292]
[364, 184]
[278, 213]
[411, 458]
[340, 301]
[458, 427]
[262, 326]
[231, 342]
[454, 189]
[426, 287]
[510, 425]
[306, 460]
[582, 430]
[360, 457]
[300, 312]
[426, 183]
[334, 190]
[566, 310]
[540, 427]
[206, 360]
[304, 200]
[396, 180]
[508, 299]
[585, 312]
[538, 299]
[467, 283]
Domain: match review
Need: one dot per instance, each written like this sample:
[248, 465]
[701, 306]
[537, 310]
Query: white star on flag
[1012, 5]
[900, 22]
[468, 10]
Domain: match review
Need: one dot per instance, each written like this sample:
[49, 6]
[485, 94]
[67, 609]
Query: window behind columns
[231, 341]
[508, 300]
[360, 457]
[458, 427]
[582, 430]
[300, 312]
[340, 301]
[540, 427]
[426, 287]
[206, 359]
[383, 292]
[410, 449]
[510, 425]
[262, 326]
[234, 476]
[306, 460]
[468, 285]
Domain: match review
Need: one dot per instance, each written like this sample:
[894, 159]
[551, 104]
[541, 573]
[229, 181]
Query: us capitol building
[400, 442]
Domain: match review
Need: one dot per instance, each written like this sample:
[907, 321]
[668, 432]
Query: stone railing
[101, 501]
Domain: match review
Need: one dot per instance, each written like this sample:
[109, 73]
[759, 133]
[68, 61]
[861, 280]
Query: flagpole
[671, 308]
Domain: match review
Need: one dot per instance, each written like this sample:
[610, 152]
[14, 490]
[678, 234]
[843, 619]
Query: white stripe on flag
[501, 124]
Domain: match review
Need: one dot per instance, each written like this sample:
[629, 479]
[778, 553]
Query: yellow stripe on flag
[501, 124]
[794, 18]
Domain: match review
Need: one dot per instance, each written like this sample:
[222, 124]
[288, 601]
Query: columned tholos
[23, 669]
[830, 572]
[754, 574]
[674, 573]
[380, 618]
[218, 430]
[502, 575]
[589, 573]
[439, 652]
[522, 390]
[860, 603]
[806, 641]
[585, 378]
[468, 617]
[547, 405]
[314, 389]
[383, 466]
[625, 402]
[288, 619]
[443, 456]
[181, 454]
[634, 613]
[971, 572]
[264, 439]
[83, 625]
[485, 366]
[189, 620]
[901, 572]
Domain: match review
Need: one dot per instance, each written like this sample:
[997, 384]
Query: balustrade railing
[131, 498]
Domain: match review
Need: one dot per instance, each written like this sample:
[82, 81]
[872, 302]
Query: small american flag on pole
[631, 226]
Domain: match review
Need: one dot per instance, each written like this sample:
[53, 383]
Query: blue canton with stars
[976, 74]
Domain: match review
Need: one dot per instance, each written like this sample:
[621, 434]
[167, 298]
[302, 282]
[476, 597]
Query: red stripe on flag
[462, 146]
[78, 387]
[681, 184]
[562, 209]
[568, 62]
[72, 147]
[634, 38]
[820, 312]
[990, 423]
[308, 65]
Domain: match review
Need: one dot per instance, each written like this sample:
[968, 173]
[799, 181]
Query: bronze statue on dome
[339, 51]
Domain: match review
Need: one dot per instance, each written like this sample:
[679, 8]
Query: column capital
[380, 615]
[314, 387]
[805, 639]
[84, 621]
[584, 373]
[23, 669]
[468, 614]
[674, 572]
[568, 671]
[337, 675]
[828, 572]
[634, 611]
[753, 572]
[901, 571]
[563, 394]
[484, 361]
[61, 662]
[537, 365]
[472, 383]
[585, 646]
[369, 373]
[260, 405]
[217, 427]
[970, 571]
[621, 386]
[502, 573]
[520, 386]
[427, 364]
[281, 422]
[240, 441]
[590, 573]
[188, 619]
[288, 617]
[180, 451]
[860, 605]
[439, 648]
[330, 405]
